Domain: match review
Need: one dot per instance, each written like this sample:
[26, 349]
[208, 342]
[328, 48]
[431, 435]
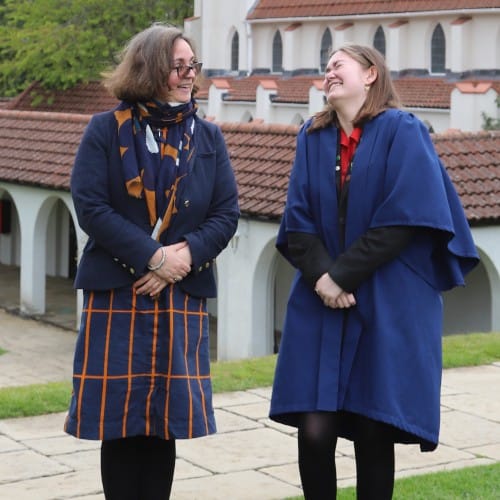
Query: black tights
[137, 468]
[374, 451]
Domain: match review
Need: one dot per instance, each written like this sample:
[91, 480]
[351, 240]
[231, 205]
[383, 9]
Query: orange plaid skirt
[141, 367]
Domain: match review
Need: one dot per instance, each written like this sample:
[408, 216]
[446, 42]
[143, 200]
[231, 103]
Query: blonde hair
[145, 64]
[381, 95]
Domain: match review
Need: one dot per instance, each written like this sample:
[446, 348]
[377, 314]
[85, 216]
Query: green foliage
[490, 123]
[473, 483]
[62, 42]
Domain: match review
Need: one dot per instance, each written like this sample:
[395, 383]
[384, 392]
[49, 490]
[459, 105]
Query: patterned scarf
[155, 147]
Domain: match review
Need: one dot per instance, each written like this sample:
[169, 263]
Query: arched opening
[326, 48]
[469, 309]
[283, 282]
[235, 52]
[298, 119]
[429, 126]
[10, 253]
[277, 53]
[212, 320]
[61, 264]
[379, 40]
[247, 117]
[438, 50]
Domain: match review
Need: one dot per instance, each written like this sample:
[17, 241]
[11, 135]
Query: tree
[490, 123]
[63, 42]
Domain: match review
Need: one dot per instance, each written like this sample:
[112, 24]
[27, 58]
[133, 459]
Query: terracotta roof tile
[473, 163]
[424, 92]
[265, 9]
[84, 98]
[38, 148]
[296, 89]
[245, 89]
[262, 157]
[416, 92]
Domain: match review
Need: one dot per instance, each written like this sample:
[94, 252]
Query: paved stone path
[251, 458]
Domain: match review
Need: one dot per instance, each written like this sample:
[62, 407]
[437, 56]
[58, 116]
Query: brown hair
[144, 64]
[381, 95]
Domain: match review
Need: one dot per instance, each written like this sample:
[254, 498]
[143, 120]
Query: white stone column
[316, 97]
[264, 91]
[215, 108]
[33, 215]
[395, 52]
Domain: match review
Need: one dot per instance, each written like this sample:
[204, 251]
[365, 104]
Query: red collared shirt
[347, 149]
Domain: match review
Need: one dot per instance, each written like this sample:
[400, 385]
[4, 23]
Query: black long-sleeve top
[375, 248]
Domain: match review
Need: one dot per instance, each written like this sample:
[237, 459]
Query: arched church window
[438, 50]
[277, 53]
[326, 48]
[235, 52]
[379, 40]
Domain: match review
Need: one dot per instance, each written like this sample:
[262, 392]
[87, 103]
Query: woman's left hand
[150, 284]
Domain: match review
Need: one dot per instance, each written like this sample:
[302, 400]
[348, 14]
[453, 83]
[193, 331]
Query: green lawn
[458, 350]
[472, 483]
[475, 483]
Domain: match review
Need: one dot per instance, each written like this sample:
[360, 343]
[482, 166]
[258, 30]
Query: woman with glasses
[376, 231]
[155, 192]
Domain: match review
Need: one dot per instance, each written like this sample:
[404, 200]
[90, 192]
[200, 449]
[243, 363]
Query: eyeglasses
[184, 69]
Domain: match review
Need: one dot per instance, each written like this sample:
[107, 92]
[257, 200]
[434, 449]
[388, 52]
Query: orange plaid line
[152, 311]
[139, 375]
[186, 364]
[106, 366]
[85, 365]
[129, 374]
[202, 392]
[153, 368]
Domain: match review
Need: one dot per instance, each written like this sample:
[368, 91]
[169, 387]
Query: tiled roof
[473, 163]
[296, 89]
[244, 89]
[265, 9]
[418, 92]
[415, 92]
[262, 156]
[38, 149]
[424, 92]
[84, 98]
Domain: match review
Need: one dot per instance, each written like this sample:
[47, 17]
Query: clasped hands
[176, 266]
[332, 295]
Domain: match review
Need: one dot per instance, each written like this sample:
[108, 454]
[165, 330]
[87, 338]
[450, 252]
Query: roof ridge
[458, 134]
[44, 115]
[259, 127]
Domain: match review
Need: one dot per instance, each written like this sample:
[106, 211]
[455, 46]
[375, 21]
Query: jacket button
[186, 203]
[200, 269]
[207, 264]
[132, 270]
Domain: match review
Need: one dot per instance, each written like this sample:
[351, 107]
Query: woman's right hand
[175, 266]
[332, 295]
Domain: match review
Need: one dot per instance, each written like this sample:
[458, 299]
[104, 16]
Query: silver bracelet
[162, 261]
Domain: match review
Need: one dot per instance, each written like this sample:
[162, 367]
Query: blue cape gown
[382, 358]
